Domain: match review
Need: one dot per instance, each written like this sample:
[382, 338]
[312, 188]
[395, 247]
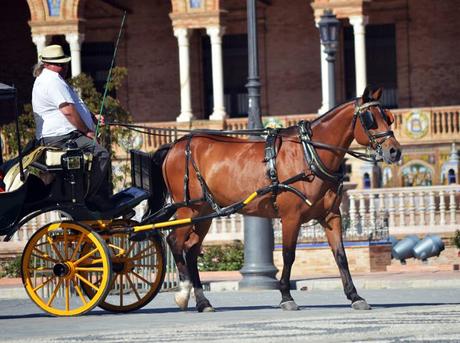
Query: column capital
[215, 31]
[74, 39]
[182, 34]
[39, 39]
[359, 21]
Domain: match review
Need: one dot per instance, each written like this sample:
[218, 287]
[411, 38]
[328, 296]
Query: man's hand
[90, 134]
[99, 118]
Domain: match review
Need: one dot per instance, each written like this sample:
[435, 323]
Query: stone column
[325, 105]
[75, 39]
[359, 30]
[215, 34]
[186, 114]
[40, 42]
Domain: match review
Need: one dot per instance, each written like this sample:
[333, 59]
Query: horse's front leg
[333, 227]
[176, 241]
[193, 247]
[290, 233]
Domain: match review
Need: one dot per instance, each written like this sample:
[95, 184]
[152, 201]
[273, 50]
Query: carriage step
[125, 201]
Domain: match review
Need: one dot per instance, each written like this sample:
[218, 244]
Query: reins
[153, 131]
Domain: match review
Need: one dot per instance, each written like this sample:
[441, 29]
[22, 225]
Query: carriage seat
[12, 177]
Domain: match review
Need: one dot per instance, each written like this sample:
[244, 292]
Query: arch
[367, 181]
[451, 177]
[416, 173]
[37, 10]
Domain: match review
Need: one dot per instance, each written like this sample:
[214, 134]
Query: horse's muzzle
[391, 154]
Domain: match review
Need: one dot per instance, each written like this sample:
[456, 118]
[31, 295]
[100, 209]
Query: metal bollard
[430, 246]
[404, 249]
[393, 240]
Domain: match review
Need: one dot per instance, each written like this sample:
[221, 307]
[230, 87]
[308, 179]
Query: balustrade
[413, 205]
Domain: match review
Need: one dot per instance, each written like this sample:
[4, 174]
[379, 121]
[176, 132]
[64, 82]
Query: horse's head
[372, 126]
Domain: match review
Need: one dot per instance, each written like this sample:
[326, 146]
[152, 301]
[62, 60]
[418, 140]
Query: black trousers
[99, 182]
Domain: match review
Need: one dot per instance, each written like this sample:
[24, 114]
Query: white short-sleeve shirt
[49, 92]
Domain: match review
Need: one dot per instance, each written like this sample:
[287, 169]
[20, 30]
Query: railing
[408, 209]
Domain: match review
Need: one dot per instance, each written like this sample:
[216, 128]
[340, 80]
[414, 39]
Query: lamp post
[258, 270]
[329, 31]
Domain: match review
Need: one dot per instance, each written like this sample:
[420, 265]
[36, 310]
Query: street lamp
[258, 270]
[329, 32]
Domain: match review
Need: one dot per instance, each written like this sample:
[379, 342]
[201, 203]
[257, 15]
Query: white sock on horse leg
[183, 295]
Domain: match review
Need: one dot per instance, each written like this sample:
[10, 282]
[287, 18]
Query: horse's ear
[367, 95]
[377, 94]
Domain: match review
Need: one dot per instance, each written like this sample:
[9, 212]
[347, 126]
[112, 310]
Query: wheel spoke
[138, 257]
[121, 290]
[142, 278]
[87, 282]
[41, 269]
[142, 251]
[53, 246]
[44, 283]
[67, 295]
[153, 266]
[132, 286]
[53, 295]
[44, 256]
[130, 248]
[92, 252]
[80, 294]
[89, 269]
[80, 240]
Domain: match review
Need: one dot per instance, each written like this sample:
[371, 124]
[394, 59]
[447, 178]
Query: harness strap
[207, 195]
[270, 159]
[311, 156]
[188, 156]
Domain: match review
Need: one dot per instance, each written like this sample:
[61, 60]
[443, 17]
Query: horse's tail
[156, 203]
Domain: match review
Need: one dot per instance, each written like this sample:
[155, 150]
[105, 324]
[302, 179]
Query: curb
[336, 284]
[16, 292]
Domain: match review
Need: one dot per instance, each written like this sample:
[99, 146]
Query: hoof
[208, 309]
[289, 306]
[360, 305]
[204, 306]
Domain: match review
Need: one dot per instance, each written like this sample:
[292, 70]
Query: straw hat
[53, 54]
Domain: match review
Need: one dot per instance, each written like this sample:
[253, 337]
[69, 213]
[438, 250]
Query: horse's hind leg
[333, 226]
[290, 233]
[193, 251]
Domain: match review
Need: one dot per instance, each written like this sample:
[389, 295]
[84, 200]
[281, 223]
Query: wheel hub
[61, 269]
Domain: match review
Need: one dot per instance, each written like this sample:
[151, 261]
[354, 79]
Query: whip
[108, 77]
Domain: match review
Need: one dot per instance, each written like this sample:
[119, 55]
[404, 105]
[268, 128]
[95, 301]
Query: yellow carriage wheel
[139, 271]
[54, 268]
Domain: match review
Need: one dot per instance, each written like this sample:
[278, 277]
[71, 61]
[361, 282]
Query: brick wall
[433, 32]
[319, 260]
[17, 52]
[152, 61]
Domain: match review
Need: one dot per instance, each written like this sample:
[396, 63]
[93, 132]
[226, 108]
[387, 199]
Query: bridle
[367, 121]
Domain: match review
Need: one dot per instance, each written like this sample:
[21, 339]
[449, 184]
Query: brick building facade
[410, 48]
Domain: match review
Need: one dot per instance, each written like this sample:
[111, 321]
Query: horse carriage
[85, 259]
[92, 258]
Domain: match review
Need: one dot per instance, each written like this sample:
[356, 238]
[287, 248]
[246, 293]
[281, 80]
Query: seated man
[61, 115]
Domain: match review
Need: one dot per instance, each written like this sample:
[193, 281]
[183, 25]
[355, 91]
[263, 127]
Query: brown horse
[222, 170]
